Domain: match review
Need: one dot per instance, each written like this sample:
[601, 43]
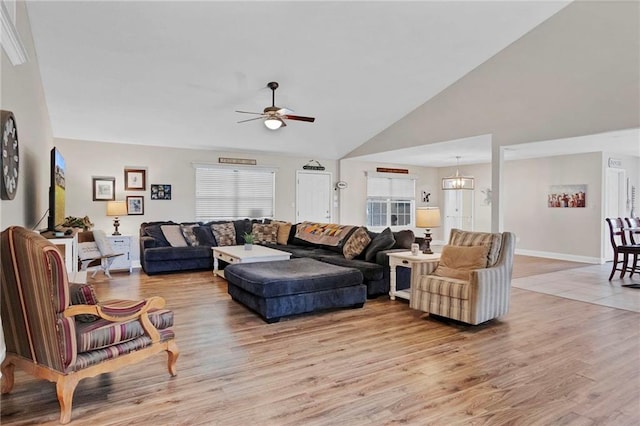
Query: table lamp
[116, 208]
[427, 217]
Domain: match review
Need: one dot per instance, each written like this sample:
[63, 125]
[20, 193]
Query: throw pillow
[459, 237]
[102, 242]
[356, 243]
[404, 239]
[382, 241]
[188, 232]
[225, 234]
[265, 234]
[204, 236]
[173, 234]
[284, 229]
[155, 232]
[457, 261]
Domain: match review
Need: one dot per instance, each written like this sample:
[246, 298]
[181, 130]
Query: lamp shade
[116, 208]
[427, 217]
[273, 123]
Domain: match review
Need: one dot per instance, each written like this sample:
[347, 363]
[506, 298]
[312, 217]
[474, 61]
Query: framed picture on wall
[135, 204]
[104, 188]
[160, 192]
[134, 179]
[568, 196]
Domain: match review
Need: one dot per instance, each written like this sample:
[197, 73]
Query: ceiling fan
[274, 116]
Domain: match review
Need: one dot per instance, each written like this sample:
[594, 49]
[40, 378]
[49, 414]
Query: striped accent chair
[473, 294]
[59, 332]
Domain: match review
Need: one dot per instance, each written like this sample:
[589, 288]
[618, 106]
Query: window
[234, 192]
[390, 200]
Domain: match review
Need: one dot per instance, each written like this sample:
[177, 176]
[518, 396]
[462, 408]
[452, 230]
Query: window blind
[234, 193]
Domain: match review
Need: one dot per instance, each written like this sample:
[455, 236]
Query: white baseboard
[561, 256]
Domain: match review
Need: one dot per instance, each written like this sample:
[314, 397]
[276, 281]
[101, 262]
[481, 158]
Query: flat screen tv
[56, 190]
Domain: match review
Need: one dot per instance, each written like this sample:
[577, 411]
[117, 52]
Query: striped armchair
[59, 332]
[473, 295]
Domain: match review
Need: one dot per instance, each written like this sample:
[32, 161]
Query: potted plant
[248, 240]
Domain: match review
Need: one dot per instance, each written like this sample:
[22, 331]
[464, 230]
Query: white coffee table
[238, 254]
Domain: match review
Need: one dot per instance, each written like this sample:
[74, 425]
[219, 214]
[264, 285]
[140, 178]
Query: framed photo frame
[104, 188]
[135, 179]
[160, 192]
[135, 204]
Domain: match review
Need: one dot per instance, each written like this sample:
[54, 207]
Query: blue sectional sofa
[157, 255]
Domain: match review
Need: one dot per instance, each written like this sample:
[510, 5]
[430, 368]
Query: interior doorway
[314, 192]
[458, 210]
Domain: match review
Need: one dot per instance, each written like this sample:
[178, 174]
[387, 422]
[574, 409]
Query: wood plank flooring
[549, 361]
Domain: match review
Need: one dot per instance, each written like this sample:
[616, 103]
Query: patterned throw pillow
[356, 243]
[189, 234]
[173, 234]
[265, 233]
[225, 234]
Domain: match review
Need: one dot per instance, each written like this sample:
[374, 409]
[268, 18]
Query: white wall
[86, 159]
[21, 92]
[353, 199]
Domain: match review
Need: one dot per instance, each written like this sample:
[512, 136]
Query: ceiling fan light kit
[274, 116]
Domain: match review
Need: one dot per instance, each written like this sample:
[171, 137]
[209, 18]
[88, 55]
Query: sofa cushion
[265, 233]
[457, 261]
[371, 271]
[382, 241]
[404, 239]
[205, 236]
[241, 226]
[459, 237]
[444, 286]
[83, 294]
[225, 234]
[357, 242]
[173, 235]
[189, 234]
[177, 253]
[284, 229]
[155, 232]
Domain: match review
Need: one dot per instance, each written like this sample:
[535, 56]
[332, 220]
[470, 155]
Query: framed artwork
[134, 179]
[135, 204]
[567, 196]
[160, 192]
[104, 188]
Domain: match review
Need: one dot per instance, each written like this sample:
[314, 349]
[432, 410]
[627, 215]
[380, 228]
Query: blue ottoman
[288, 287]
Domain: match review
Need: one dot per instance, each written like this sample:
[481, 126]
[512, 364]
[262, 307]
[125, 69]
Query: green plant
[248, 238]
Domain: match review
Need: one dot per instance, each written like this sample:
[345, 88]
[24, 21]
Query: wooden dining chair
[633, 238]
[621, 247]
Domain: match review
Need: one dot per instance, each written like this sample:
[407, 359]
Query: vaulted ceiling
[173, 73]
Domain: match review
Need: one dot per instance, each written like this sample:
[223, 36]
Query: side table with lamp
[427, 217]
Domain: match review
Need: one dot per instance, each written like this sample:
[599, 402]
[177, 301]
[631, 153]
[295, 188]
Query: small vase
[248, 246]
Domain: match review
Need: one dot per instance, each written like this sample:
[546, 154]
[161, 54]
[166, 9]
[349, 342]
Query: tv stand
[69, 250]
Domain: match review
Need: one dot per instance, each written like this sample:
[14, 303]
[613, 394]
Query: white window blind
[234, 193]
[390, 200]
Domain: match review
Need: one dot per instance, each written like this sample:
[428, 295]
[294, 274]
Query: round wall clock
[10, 159]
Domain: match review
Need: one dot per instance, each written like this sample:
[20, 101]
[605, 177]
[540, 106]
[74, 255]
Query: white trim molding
[10, 39]
[560, 256]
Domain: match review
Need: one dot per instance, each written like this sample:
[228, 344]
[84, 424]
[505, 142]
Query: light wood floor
[549, 361]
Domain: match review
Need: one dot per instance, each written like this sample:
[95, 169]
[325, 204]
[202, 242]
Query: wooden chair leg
[615, 266]
[173, 354]
[7, 377]
[625, 261]
[65, 386]
[635, 265]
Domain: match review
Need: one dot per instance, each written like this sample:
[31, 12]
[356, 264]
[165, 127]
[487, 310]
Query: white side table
[237, 254]
[121, 244]
[420, 264]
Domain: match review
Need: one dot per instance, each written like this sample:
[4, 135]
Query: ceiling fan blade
[299, 118]
[250, 119]
[249, 112]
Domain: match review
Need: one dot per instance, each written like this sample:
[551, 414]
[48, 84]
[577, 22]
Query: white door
[614, 205]
[458, 210]
[314, 192]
